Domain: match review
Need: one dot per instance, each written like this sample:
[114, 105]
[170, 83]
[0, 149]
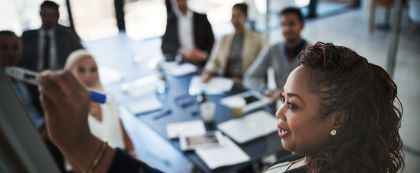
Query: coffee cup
[237, 105]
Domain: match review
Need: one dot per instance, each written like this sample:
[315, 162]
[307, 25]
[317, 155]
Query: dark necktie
[46, 51]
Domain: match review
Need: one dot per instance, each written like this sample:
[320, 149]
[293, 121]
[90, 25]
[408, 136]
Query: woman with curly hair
[338, 113]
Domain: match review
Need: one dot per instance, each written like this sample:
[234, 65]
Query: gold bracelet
[98, 157]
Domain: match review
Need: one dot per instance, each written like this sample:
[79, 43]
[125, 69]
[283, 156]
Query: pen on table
[33, 78]
[162, 114]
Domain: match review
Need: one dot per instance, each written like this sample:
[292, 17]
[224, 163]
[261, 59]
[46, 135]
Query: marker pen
[33, 78]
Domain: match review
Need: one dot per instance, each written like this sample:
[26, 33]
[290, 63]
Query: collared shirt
[52, 52]
[292, 52]
[185, 30]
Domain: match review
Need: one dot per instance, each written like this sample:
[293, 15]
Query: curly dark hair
[367, 139]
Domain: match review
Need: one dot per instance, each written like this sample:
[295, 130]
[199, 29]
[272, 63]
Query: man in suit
[49, 46]
[188, 34]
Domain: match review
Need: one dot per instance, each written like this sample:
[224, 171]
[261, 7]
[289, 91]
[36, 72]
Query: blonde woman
[103, 119]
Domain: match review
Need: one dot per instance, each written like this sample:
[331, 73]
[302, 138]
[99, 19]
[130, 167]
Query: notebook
[228, 153]
[185, 128]
[216, 85]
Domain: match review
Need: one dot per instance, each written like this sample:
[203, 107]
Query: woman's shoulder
[278, 168]
[297, 170]
[284, 164]
[285, 168]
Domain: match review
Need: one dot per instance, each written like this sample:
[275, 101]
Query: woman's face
[86, 71]
[238, 19]
[301, 128]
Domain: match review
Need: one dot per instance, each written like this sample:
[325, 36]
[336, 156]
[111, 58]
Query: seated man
[281, 56]
[10, 55]
[49, 46]
[235, 52]
[188, 34]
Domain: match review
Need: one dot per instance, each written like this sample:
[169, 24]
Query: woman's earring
[333, 132]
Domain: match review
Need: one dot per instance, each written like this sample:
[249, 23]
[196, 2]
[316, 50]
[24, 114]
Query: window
[145, 18]
[20, 15]
[94, 19]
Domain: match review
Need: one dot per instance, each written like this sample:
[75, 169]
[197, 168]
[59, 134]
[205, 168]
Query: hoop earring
[333, 132]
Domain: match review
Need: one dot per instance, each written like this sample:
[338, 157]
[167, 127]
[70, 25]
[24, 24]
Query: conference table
[179, 106]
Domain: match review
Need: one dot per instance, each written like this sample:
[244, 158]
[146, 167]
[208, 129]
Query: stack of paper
[224, 155]
[175, 69]
[141, 86]
[216, 85]
[145, 104]
[109, 75]
[250, 127]
[185, 128]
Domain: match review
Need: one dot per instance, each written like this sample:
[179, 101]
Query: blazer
[253, 43]
[203, 35]
[67, 41]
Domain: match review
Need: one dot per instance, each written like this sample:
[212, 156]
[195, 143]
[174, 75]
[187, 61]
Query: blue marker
[97, 97]
[32, 78]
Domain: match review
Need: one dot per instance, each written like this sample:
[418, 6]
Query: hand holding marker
[32, 78]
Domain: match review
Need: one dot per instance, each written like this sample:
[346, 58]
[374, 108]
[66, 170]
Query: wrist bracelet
[98, 157]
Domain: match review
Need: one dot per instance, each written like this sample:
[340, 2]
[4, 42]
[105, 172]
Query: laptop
[249, 127]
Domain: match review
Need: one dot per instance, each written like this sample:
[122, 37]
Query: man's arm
[29, 43]
[210, 35]
[170, 43]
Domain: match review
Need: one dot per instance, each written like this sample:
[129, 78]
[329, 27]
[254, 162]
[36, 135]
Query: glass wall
[218, 12]
[20, 15]
[145, 18]
[94, 19]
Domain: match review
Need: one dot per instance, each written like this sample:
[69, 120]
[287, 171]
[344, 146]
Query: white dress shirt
[52, 52]
[185, 30]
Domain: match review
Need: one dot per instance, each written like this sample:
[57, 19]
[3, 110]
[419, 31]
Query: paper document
[141, 86]
[249, 127]
[175, 69]
[145, 104]
[109, 75]
[223, 155]
[185, 128]
[216, 85]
